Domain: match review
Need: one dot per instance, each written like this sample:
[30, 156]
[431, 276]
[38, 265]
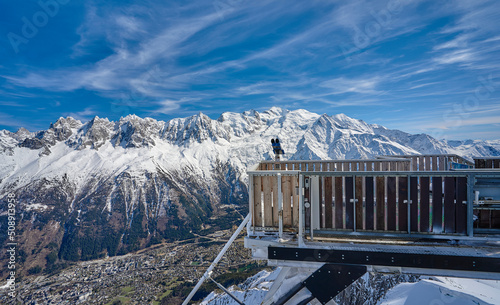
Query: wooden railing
[383, 163]
[419, 202]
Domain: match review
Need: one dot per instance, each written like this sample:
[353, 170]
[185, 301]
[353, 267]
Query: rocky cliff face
[86, 190]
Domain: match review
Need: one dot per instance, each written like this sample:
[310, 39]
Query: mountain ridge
[102, 187]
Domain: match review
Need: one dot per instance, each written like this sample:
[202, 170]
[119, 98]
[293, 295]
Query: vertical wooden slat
[286, 187]
[369, 221]
[359, 202]
[414, 204]
[380, 203]
[421, 166]
[482, 163]
[461, 207]
[257, 197]
[295, 199]
[349, 204]
[489, 163]
[476, 163]
[403, 204]
[424, 204]
[427, 163]
[442, 163]
[496, 163]
[437, 205]
[339, 203]
[274, 186]
[391, 203]
[434, 162]
[328, 203]
[414, 161]
[321, 210]
[268, 209]
[449, 204]
[369, 166]
[385, 166]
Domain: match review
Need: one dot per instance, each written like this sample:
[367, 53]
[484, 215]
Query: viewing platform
[424, 214]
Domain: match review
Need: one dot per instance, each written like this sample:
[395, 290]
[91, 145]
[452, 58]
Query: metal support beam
[217, 259]
[301, 211]
[226, 291]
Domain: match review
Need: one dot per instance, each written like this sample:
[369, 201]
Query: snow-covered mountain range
[104, 187]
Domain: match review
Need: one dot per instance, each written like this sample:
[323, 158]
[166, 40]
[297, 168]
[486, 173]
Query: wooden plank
[427, 163]
[391, 203]
[359, 203]
[257, 198]
[449, 204]
[424, 204]
[321, 209]
[414, 204]
[286, 187]
[489, 163]
[482, 163]
[268, 209]
[369, 220]
[434, 161]
[369, 166]
[274, 186]
[385, 166]
[437, 204]
[295, 201]
[339, 204]
[328, 203]
[442, 163]
[414, 161]
[393, 166]
[380, 203]
[461, 206]
[403, 204]
[421, 166]
[476, 163]
[496, 163]
[349, 204]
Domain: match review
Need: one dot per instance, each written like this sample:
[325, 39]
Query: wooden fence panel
[307, 201]
[286, 187]
[414, 204]
[442, 163]
[496, 163]
[434, 163]
[328, 203]
[339, 204]
[359, 202]
[437, 204]
[380, 203]
[489, 163]
[257, 198]
[402, 205]
[461, 207]
[295, 201]
[424, 204]
[391, 203]
[421, 161]
[427, 163]
[414, 163]
[369, 221]
[274, 186]
[449, 204]
[349, 204]
[268, 208]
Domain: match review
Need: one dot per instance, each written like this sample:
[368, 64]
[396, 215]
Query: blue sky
[417, 66]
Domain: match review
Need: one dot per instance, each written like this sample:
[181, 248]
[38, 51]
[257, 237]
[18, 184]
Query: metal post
[301, 211]
[217, 259]
[470, 202]
[280, 208]
[251, 202]
[409, 203]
